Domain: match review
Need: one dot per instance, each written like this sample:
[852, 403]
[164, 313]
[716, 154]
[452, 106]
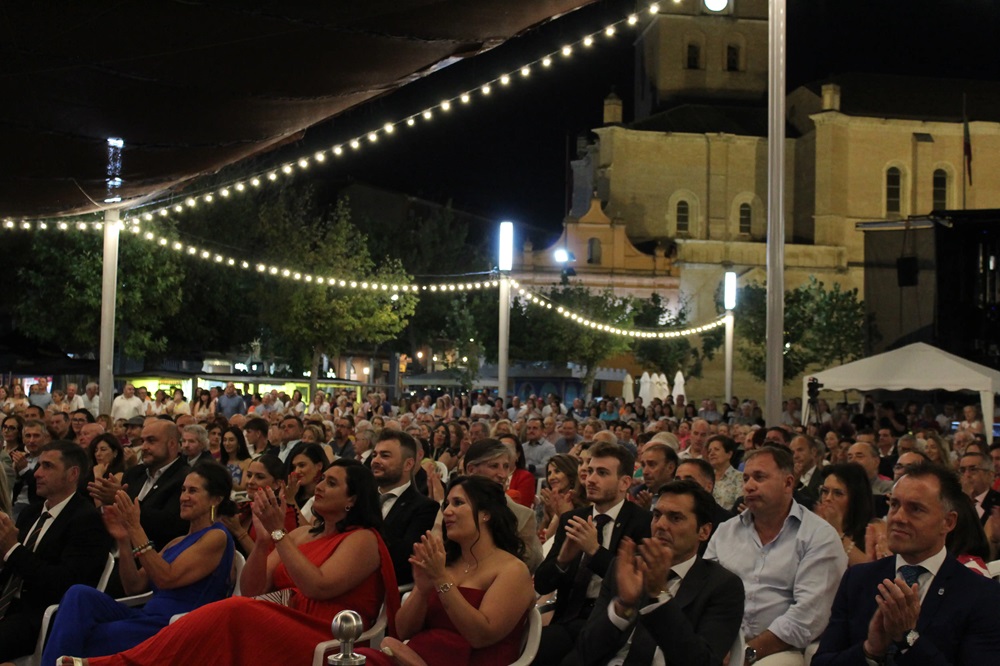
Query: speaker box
[906, 272]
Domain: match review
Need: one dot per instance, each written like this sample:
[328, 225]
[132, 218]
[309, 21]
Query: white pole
[775, 212]
[504, 339]
[109, 286]
[505, 263]
[729, 355]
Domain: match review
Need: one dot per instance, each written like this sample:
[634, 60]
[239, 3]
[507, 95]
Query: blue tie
[911, 572]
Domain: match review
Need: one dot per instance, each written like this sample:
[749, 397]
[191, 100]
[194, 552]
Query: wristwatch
[277, 535]
[750, 656]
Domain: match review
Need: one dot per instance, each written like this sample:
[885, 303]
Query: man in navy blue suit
[920, 606]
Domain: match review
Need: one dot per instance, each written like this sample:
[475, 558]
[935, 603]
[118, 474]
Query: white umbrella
[678, 385]
[664, 387]
[628, 388]
[646, 388]
[657, 381]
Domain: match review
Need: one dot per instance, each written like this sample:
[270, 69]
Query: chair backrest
[109, 566]
[532, 638]
[238, 563]
[738, 653]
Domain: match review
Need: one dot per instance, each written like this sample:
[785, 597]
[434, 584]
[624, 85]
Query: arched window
[940, 189]
[732, 58]
[683, 217]
[594, 251]
[893, 191]
[746, 218]
[693, 56]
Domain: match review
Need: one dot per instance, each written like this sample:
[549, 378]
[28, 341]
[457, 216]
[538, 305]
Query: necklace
[469, 566]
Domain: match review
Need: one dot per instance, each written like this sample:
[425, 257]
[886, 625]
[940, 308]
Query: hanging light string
[545, 302]
[386, 131]
[364, 284]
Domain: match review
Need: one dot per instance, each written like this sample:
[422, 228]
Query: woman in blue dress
[189, 572]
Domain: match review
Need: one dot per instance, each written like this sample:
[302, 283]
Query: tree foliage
[669, 355]
[542, 334]
[61, 293]
[821, 327]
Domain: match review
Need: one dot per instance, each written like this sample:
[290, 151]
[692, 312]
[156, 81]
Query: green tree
[305, 321]
[543, 334]
[821, 327]
[669, 355]
[61, 293]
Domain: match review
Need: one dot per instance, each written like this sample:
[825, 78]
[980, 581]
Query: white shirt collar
[684, 567]
[611, 513]
[398, 491]
[57, 509]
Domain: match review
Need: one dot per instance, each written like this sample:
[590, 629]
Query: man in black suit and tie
[407, 514]
[35, 435]
[976, 473]
[156, 483]
[194, 445]
[583, 549]
[56, 543]
[919, 606]
[662, 598]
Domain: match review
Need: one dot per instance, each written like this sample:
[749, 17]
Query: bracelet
[139, 550]
[850, 547]
[444, 587]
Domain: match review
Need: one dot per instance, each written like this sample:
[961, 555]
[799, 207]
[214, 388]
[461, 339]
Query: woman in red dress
[471, 591]
[305, 577]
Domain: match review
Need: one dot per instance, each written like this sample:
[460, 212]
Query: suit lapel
[939, 588]
[691, 585]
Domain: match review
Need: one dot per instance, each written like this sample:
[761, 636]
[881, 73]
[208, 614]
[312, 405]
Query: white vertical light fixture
[729, 302]
[505, 264]
[109, 275]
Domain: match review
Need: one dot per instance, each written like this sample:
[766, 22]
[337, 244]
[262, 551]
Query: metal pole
[729, 356]
[109, 286]
[775, 212]
[504, 336]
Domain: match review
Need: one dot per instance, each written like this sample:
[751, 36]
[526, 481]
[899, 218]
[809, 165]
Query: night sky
[507, 158]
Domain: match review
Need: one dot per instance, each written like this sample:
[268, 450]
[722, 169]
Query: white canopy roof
[918, 366]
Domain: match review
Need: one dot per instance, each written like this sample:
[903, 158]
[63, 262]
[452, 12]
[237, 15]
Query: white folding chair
[738, 653]
[372, 636]
[43, 633]
[532, 638]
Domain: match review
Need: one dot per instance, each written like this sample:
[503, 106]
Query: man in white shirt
[481, 409]
[921, 605]
[92, 399]
[127, 405]
[659, 597]
[73, 398]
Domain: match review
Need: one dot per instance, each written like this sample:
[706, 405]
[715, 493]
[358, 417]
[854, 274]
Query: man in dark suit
[976, 472]
[583, 549]
[665, 599]
[156, 483]
[407, 514]
[35, 435]
[806, 458]
[194, 445]
[56, 543]
[920, 606]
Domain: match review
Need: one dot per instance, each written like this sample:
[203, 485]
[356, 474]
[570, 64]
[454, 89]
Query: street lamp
[729, 302]
[505, 264]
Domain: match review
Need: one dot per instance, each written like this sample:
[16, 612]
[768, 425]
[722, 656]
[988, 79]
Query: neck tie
[911, 572]
[385, 497]
[583, 574]
[14, 583]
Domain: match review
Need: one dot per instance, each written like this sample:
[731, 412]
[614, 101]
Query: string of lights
[355, 144]
[582, 320]
[205, 254]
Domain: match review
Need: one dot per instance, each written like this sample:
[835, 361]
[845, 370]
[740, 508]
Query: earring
[212, 513]
[348, 508]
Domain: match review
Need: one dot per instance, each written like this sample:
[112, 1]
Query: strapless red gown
[440, 643]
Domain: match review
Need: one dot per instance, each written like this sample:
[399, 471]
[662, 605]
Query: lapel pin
[940, 591]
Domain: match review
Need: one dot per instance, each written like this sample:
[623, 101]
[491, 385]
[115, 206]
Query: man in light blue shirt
[789, 559]
[537, 451]
[230, 403]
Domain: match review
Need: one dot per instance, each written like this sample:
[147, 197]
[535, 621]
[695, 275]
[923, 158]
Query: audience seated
[845, 501]
[187, 573]
[55, 544]
[298, 582]
[660, 602]
[267, 471]
[472, 591]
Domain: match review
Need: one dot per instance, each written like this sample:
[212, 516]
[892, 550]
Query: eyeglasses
[10, 427]
[836, 492]
[971, 470]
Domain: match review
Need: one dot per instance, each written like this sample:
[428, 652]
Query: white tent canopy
[918, 366]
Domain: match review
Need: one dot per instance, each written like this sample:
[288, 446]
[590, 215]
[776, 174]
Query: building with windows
[685, 183]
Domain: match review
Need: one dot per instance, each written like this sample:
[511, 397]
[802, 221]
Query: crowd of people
[661, 533]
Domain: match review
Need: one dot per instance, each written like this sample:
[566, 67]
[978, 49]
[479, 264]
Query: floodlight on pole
[729, 302]
[506, 259]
